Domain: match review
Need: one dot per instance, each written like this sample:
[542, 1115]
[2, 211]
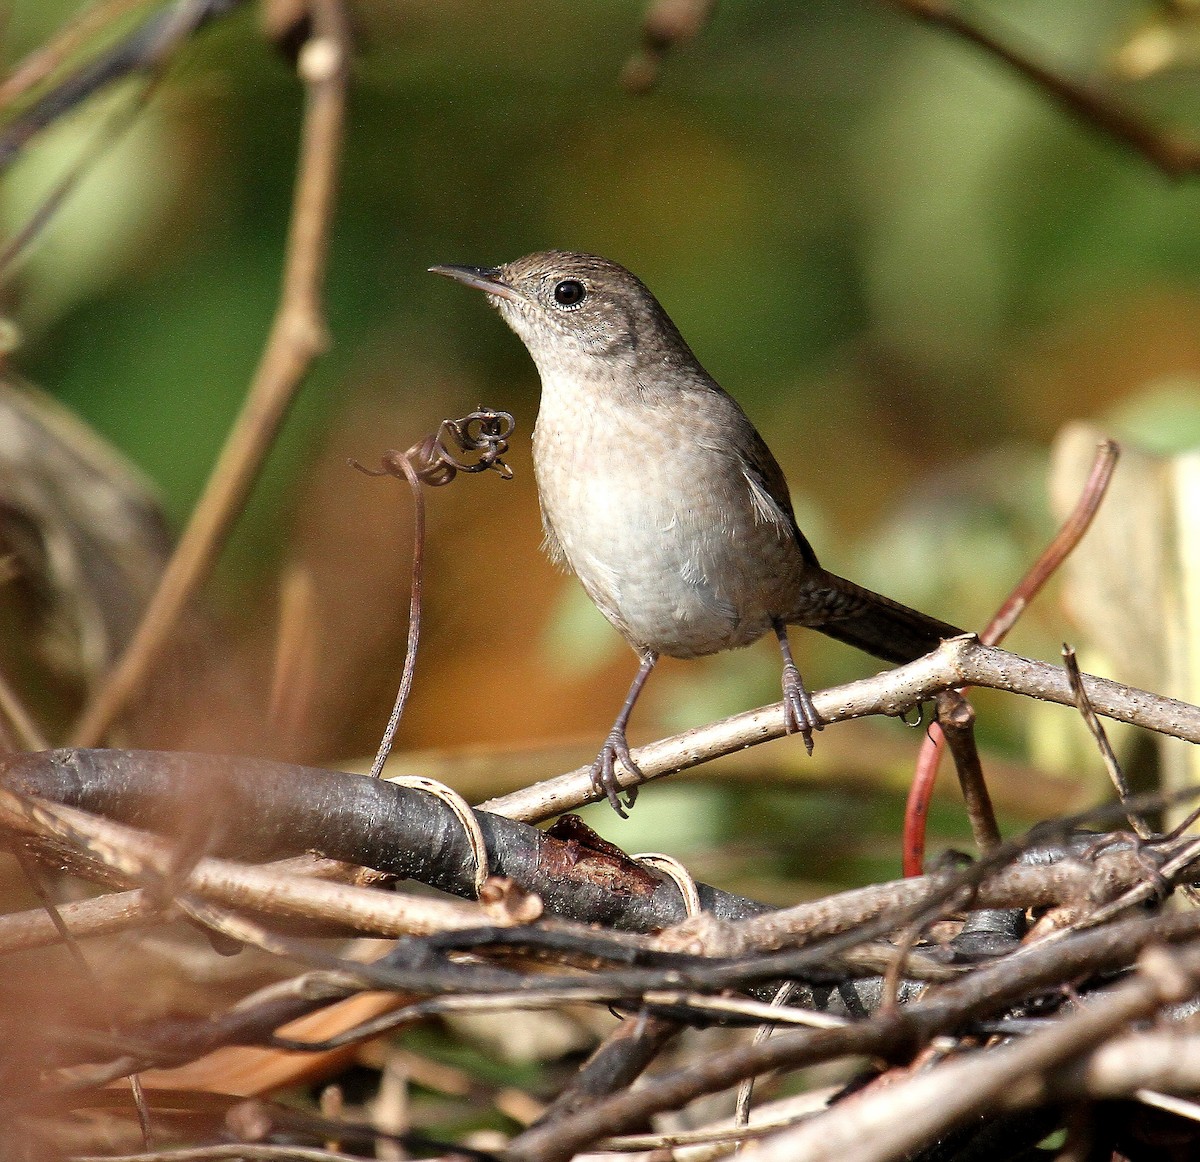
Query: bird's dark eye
[569, 292]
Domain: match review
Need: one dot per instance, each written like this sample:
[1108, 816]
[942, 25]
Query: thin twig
[298, 336]
[745, 1093]
[767, 1119]
[253, 1153]
[887, 1033]
[414, 613]
[886, 1124]
[144, 51]
[114, 912]
[1100, 737]
[1151, 887]
[956, 717]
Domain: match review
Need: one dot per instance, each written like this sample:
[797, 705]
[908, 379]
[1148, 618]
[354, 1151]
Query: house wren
[660, 495]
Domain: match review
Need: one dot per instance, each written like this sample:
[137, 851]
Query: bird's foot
[604, 771]
[799, 714]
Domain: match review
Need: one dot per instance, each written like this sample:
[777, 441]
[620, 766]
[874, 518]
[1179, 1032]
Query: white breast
[662, 529]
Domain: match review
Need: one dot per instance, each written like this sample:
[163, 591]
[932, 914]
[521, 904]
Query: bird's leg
[799, 714]
[604, 773]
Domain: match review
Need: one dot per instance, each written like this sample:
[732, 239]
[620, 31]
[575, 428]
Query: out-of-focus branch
[39, 64]
[132, 856]
[1173, 155]
[119, 911]
[298, 336]
[143, 51]
[666, 25]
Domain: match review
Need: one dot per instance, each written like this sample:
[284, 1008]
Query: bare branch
[298, 336]
[960, 662]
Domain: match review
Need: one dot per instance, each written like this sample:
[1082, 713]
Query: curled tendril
[481, 435]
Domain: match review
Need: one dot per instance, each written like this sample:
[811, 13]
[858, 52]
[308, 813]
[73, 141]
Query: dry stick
[613, 1061]
[134, 854]
[1068, 536]
[745, 1093]
[121, 910]
[1175, 156]
[614, 1064]
[1150, 888]
[890, 1121]
[114, 912]
[1140, 828]
[984, 992]
[770, 1118]
[956, 717]
[298, 335]
[234, 1152]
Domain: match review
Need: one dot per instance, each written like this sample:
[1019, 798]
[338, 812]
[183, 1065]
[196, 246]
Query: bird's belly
[672, 556]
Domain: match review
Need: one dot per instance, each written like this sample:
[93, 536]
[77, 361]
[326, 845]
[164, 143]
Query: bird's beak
[484, 278]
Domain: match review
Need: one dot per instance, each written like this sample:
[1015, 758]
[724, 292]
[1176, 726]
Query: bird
[660, 495]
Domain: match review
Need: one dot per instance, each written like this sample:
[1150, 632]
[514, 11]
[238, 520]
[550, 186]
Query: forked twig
[1068, 536]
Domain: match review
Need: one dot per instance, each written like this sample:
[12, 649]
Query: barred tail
[874, 623]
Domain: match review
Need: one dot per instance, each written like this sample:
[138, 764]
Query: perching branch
[962, 661]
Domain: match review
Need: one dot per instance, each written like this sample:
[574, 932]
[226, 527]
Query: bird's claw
[604, 772]
[799, 714]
